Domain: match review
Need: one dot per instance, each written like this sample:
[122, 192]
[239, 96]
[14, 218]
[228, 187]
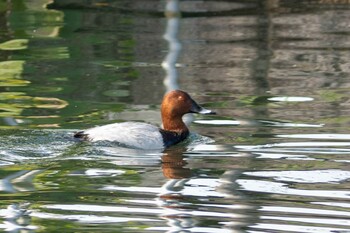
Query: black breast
[171, 138]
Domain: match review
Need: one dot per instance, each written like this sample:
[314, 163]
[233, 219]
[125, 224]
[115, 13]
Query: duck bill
[205, 111]
[196, 108]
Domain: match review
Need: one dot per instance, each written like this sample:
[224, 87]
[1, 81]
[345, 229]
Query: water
[274, 159]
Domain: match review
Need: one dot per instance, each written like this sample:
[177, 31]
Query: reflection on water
[185, 187]
[274, 159]
[172, 12]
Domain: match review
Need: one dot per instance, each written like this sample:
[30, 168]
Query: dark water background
[274, 159]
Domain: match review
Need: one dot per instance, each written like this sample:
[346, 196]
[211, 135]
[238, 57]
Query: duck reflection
[173, 164]
[191, 195]
[20, 181]
[171, 197]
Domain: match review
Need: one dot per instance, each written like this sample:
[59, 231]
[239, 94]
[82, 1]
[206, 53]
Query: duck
[139, 135]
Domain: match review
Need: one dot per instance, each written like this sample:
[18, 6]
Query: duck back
[131, 134]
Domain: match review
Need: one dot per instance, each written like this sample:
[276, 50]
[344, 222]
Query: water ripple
[315, 176]
[281, 188]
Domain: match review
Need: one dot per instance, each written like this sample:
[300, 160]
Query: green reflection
[16, 44]
[10, 74]
[66, 67]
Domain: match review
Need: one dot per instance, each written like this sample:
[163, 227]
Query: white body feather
[133, 134]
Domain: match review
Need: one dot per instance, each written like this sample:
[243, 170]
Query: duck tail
[81, 135]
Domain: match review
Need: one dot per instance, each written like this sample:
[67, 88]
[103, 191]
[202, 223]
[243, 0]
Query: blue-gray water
[274, 159]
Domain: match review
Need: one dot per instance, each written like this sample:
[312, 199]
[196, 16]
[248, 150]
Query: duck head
[175, 104]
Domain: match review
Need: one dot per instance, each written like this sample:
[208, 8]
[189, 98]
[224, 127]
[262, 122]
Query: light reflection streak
[172, 12]
[295, 144]
[337, 204]
[300, 210]
[314, 176]
[281, 188]
[330, 221]
[316, 136]
[192, 229]
[290, 99]
[297, 228]
[124, 209]
[254, 123]
[88, 218]
[217, 122]
[194, 187]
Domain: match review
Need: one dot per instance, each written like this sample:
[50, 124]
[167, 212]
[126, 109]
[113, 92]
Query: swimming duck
[139, 135]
